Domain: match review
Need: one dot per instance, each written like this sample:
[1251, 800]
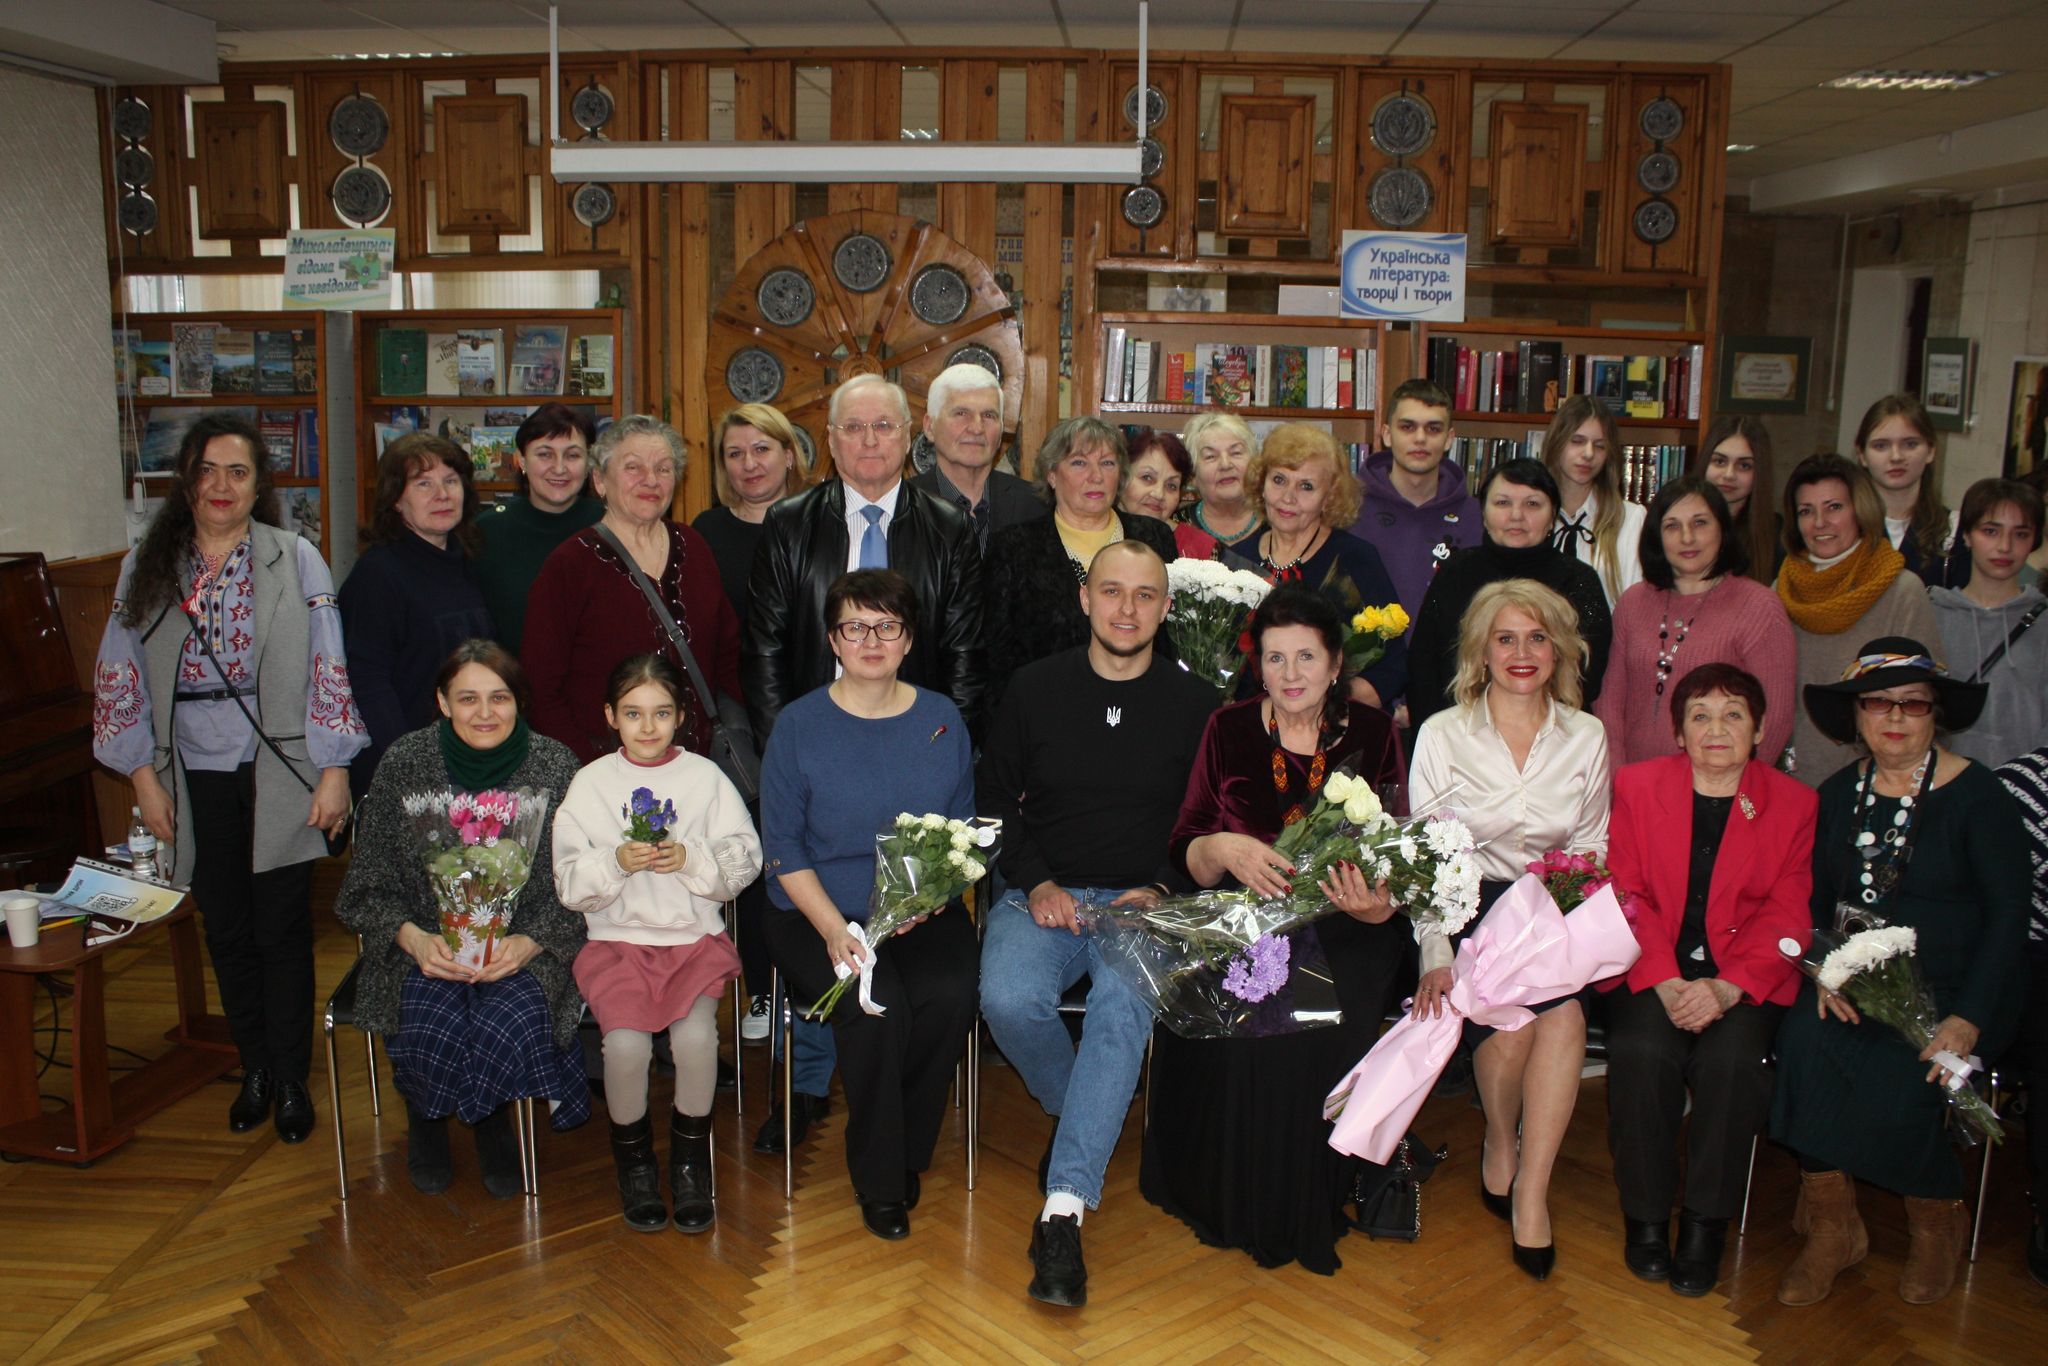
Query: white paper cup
[24, 921]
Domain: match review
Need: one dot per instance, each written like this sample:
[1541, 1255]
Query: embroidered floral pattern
[332, 704]
[116, 700]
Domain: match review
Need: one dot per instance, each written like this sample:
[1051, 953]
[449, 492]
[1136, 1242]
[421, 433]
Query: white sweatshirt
[722, 853]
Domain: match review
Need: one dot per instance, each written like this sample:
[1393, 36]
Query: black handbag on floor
[1387, 1200]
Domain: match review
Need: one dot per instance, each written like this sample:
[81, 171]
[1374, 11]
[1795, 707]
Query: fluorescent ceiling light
[1872, 78]
[830, 163]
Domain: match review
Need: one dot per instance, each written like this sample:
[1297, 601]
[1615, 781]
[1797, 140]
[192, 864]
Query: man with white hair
[963, 419]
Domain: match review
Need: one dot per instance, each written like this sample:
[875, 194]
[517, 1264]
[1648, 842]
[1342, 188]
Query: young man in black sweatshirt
[1085, 765]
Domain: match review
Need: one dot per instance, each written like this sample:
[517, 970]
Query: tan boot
[1835, 1238]
[1940, 1228]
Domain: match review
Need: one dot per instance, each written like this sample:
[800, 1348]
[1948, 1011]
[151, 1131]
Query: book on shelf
[1233, 375]
[1288, 387]
[306, 463]
[305, 361]
[444, 363]
[192, 360]
[537, 354]
[402, 361]
[1603, 379]
[149, 362]
[164, 431]
[491, 450]
[1141, 370]
[301, 509]
[1538, 380]
[1113, 365]
[280, 429]
[477, 372]
[590, 366]
[234, 361]
[125, 341]
[1642, 386]
[276, 370]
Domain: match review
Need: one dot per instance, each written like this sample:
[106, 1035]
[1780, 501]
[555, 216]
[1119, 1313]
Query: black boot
[426, 1152]
[1646, 1247]
[639, 1178]
[497, 1152]
[689, 1170]
[1696, 1261]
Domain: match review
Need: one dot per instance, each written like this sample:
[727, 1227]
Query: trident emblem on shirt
[1113, 715]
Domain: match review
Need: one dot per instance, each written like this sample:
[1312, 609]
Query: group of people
[1744, 711]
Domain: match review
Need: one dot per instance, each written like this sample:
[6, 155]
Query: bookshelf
[1330, 364]
[421, 370]
[288, 372]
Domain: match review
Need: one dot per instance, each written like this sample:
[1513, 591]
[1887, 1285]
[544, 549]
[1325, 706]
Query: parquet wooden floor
[192, 1243]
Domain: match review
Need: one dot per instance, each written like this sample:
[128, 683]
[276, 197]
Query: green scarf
[479, 770]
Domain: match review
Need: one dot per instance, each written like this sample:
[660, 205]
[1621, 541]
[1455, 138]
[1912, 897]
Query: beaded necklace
[1291, 572]
[1318, 769]
[1203, 522]
[1667, 646]
[1894, 845]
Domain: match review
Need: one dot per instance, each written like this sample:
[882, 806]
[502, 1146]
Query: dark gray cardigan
[387, 884]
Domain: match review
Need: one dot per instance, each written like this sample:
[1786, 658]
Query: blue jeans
[810, 1042]
[1025, 967]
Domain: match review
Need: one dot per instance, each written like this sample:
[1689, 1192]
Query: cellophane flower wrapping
[1210, 965]
[1211, 604]
[1879, 971]
[479, 849]
[1365, 641]
[922, 862]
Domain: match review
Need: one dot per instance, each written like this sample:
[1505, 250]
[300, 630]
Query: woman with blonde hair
[1895, 441]
[1595, 524]
[1305, 498]
[1223, 448]
[1527, 770]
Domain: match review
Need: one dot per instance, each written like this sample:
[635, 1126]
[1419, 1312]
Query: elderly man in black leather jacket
[813, 538]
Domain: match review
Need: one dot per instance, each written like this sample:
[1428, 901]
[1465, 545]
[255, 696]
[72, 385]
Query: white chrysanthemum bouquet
[1211, 604]
[479, 849]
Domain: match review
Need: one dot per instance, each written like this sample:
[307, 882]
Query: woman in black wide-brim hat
[1910, 834]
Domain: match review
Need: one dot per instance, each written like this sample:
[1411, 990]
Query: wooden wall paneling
[1092, 208]
[1176, 137]
[652, 296]
[85, 601]
[1045, 88]
[320, 161]
[1538, 174]
[867, 106]
[1268, 148]
[1440, 161]
[565, 234]
[240, 169]
[1687, 198]
[967, 113]
[689, 240]
[165, 144]
[764, 110]
[480, 166]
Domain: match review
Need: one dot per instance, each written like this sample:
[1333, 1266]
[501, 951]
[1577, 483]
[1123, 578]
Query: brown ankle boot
[1940, 1228]
[1835, 1239]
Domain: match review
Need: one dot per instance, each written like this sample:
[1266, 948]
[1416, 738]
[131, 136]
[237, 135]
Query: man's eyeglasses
[854, 632]
[1882, 706]
[883, 430]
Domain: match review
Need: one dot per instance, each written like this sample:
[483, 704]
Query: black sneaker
[1056, 1256]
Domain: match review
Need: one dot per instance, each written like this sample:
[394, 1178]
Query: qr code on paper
[107, 903]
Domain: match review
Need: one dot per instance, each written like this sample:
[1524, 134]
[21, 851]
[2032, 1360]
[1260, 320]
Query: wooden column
[867, 106]
[688, 237]
[764, 110]
[967, 113]
[1091, 203]
[1044, 110]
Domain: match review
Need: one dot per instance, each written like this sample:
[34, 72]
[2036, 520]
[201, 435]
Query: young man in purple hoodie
[1417, 509]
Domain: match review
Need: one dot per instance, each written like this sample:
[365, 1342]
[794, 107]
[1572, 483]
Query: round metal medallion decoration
[134, 166]
[594, 205]
[806, 449]
[753, 375]
[785, 297]
[974, 353]
[862, 263]
[1403, 125]
[1155, 108]
[1657, 172]
[137, 213]
[939, 295]
[358, 125]
[1655, 221]
[923, 454]
[131, 119]
[1400, 197]
[1151, 157]
[1661, 119]
[591, 108]
[361, 194]
[1143, 206]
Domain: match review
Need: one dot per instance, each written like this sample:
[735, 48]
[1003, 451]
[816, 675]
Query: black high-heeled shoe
[1536, 1261]
[1499, 1206]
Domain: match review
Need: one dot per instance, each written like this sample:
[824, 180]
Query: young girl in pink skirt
[649, 843]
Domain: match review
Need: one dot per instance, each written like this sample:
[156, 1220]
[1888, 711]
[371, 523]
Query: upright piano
[47, 813]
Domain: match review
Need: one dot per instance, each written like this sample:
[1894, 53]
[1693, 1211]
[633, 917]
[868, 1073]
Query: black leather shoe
[803, 1111]
[294, 1112]
[252, 1104]
[1499, 1206]
[1538, 1262]
[886, 1218]
[913, 1189]
[2037, 1253]
[1696, 1261]
[1062, 1277]
[1646, 1247]
[426, 1152]
[497, 1152]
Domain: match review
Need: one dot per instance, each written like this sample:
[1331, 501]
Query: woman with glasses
[844, 761]
[1913, 835]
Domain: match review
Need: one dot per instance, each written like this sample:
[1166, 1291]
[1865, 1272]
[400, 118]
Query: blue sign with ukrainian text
[1404, 276]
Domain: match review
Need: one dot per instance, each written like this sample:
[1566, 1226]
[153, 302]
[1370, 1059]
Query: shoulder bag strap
[2032, 615]
[705, 697]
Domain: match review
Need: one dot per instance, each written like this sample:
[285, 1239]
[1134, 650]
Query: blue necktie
[874, 546]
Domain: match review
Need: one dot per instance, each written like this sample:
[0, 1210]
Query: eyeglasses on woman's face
[1881, 706]
[854, 632]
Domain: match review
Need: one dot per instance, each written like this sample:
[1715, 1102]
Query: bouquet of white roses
[921, 863]
[1878, 972]
[1211, 604]
[479, 850]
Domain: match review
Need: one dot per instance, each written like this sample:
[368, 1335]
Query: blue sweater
[831, 782]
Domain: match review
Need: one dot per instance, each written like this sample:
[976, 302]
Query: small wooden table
[102, 1114]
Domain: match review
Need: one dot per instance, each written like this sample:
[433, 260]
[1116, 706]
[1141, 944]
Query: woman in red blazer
[1716, 852]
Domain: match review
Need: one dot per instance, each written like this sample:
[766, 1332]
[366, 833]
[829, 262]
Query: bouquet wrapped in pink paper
[1525, 951]
[479, 849]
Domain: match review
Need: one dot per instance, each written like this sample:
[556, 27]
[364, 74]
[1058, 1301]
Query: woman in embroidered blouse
[1527, 770]
[1222, 447]
[214, 588]
[1595, 524]
[1694, 606]
[586, 613]
[1841, 583]
[1306, 497]
[1041, 563]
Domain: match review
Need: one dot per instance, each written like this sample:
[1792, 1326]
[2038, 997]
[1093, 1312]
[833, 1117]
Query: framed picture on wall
[2026, 416]
[1945, 374]
[1763, 374]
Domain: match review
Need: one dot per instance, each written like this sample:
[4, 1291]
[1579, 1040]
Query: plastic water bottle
[142, 845]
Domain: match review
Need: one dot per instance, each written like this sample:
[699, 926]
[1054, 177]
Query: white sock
[1059, 1202]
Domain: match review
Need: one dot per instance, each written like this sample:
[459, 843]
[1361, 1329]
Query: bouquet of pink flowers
[479, 852]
